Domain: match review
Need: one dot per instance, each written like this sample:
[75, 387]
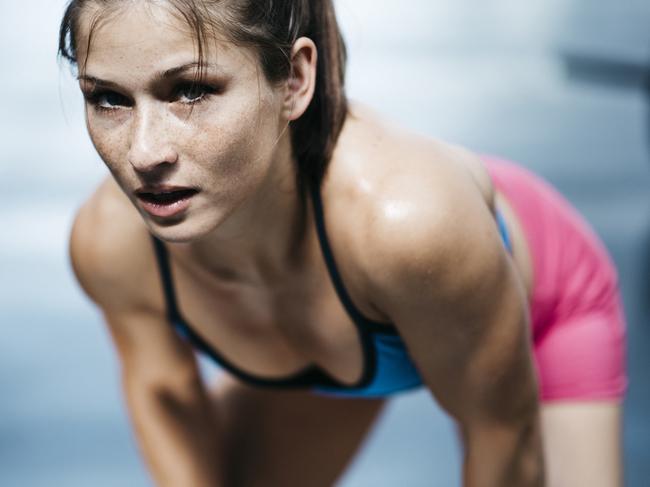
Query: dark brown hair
[271, 27]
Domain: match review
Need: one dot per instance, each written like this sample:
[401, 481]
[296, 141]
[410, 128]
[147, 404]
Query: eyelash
[95, 97]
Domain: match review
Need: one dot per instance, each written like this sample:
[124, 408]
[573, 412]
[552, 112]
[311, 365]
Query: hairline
[201, 37]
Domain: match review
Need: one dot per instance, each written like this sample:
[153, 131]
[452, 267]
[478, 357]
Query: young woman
[327, 259]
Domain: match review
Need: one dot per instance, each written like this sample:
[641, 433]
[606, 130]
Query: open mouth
[166, 203]
[167, 197]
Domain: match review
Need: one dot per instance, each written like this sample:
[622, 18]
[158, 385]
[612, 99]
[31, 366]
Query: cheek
[108, 142]
[238, 148]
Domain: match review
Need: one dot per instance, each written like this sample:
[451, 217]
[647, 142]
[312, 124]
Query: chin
[182, 230]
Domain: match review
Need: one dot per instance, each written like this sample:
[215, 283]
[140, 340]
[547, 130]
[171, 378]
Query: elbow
[531, 455]
[505, 456]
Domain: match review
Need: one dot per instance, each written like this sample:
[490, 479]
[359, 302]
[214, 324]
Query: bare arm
[168, 405]
[169, 409]
[451, 290]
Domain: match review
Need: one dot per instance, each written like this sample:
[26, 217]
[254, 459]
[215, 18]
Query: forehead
[138, 37]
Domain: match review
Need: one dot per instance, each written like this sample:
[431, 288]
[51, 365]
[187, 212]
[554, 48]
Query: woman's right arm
[168, 405]
[170, 411]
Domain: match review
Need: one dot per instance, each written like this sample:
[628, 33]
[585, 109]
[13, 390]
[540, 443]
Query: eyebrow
[160, 76]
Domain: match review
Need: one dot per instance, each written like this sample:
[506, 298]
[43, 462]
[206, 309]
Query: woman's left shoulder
[402, 202]
[375, 154]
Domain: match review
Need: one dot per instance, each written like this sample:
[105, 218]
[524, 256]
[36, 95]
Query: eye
[191, 93]
[107, 100]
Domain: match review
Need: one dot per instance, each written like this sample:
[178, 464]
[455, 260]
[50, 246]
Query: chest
[272, 331]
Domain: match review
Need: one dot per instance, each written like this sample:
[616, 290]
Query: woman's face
[186, 155]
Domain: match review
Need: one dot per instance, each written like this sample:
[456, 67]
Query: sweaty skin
[226, 147]
[248, 270]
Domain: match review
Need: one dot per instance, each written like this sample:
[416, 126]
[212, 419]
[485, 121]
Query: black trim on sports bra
[311, 376]
[362, 321]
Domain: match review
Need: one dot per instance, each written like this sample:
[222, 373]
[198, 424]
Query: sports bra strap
[162, 257]
[335, 275]
[503, 230]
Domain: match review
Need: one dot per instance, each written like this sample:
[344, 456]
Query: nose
[151, 145]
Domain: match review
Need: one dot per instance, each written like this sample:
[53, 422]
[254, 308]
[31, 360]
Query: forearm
[177, 434]
[504, 457]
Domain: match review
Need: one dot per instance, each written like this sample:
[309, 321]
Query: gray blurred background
[562, 87]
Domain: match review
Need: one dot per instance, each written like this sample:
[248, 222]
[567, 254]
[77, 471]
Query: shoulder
[412, 211]
[111, 251]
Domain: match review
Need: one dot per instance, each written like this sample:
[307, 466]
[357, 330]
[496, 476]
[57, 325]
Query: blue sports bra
[387, 367]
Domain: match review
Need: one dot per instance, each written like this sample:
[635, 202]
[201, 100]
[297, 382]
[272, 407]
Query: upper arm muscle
[453, 294]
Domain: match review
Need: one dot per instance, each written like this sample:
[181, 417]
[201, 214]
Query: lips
[166, 197]
[165, 201]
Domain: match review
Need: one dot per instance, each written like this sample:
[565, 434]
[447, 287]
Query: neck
[264, 238]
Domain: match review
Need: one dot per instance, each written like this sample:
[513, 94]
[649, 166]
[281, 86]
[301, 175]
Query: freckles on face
[233, 141]
[145, 122]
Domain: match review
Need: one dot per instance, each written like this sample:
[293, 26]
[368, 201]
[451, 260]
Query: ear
[302, 79]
